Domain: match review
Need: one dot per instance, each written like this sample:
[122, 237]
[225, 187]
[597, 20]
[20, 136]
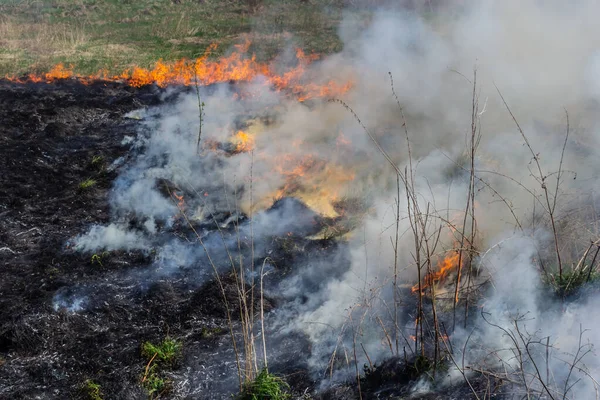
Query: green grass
[97, 163]
[571, 280]
[159, 357]
[154, 384]
[87, 184]
[166, 351]
[266, 386]
[115, 35]
[98, 259]
[91, 390]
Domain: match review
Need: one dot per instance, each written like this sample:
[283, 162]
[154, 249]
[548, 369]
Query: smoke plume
[541, 57]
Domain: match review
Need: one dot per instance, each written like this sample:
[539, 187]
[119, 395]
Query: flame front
[236, 67]
[243, 141]
[447, 265]
[319, 184]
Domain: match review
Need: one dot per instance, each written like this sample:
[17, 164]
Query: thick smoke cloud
[541, 56]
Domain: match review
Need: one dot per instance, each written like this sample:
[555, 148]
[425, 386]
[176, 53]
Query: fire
[447, 265]
[342, 140]
[317, 183]
[243, 141]
[180, 201]
[238, 67]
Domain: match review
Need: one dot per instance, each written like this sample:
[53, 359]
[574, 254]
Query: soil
[54, 137]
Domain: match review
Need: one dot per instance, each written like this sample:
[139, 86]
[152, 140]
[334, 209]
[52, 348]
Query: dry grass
[108, 34]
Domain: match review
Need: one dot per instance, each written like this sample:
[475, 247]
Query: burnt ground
[53, 138]
[49, 136]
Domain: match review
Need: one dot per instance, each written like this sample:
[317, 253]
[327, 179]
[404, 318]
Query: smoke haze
[543, 57]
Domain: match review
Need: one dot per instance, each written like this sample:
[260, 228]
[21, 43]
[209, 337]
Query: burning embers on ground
[237, 67]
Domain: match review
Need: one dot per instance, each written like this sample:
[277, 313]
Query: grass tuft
[87, 184]
[154, 384]
[159, 357]
[97, 162]
[265, 386]
[166, 351]
[571, 281]
[91, 390]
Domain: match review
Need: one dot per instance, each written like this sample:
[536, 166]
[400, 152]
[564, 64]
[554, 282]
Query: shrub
[571, 281]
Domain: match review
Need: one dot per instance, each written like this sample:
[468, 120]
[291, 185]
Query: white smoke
[109, 238]
[542, 57]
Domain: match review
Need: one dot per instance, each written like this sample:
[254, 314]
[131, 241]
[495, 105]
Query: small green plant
[97, 163]
[166, 351]
[98, 259]
[266, 386]
[207, 333]
[159, 356]
[87, 184]
[91, 390]
[97, 160]
[572, 280]
[153, 383]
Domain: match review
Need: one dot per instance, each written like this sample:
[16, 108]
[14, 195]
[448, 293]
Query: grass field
[117, 34]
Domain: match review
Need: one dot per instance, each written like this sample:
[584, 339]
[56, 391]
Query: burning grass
[236, 67]
[364, 303]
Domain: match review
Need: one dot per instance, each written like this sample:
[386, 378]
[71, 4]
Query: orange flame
[235, 67]
[243, 141]
[318, 183]
[181, 202]
[447, 265]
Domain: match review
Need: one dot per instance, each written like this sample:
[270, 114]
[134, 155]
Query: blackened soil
[53, 138]
[61, 146]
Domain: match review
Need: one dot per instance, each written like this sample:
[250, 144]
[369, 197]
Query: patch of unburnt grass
[91, 390]
[160, 358]
[571, 281]
[266, 386]
[86, 185]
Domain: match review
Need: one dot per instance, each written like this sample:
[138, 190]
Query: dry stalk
[262, 314]
[222, 288]
[470, 206]
[461, 370]
[148, 367]
[399, 177]
[246, 311]
[200, 112]
[550, 206]
[387, 336]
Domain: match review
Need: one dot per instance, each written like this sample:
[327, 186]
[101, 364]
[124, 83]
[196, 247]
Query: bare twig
[542, 181]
